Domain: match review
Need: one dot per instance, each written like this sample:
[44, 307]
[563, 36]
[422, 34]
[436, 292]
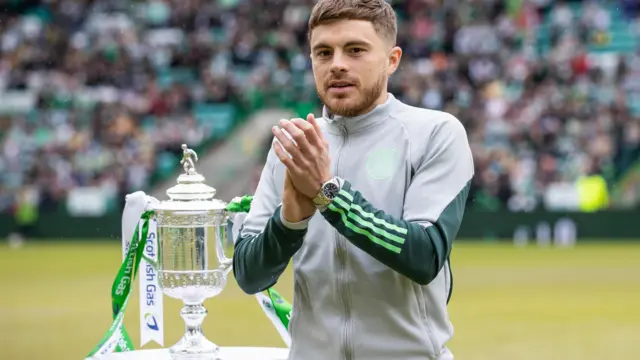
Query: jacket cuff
[300, 225]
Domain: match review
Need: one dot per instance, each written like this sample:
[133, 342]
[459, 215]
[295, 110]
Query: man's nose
[339, 63]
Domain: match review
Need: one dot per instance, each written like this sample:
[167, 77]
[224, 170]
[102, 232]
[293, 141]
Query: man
[366, 200]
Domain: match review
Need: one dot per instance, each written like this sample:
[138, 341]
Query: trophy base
[193, 345]
[195, 348]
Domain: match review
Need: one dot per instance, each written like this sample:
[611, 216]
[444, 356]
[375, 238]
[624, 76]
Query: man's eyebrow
[357, 43]
[347, 44]
[320, 46]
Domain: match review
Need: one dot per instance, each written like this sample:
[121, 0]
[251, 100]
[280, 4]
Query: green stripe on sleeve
[425, 248]
[369, 215]
[364, 232]
[365, 224]
[346, 194]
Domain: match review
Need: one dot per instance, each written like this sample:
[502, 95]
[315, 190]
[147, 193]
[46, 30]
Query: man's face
[351, 65]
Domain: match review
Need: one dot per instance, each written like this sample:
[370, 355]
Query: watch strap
[322, 200]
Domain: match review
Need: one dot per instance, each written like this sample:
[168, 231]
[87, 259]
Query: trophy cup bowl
[194, 255]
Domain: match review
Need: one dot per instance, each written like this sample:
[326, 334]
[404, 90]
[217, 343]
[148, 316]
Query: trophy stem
[193, 344]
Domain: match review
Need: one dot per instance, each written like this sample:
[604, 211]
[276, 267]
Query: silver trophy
[194, 254]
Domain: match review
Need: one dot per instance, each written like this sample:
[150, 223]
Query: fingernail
[273, 129]
[284, 122]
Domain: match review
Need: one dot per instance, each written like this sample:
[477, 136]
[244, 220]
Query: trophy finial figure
[187, 162]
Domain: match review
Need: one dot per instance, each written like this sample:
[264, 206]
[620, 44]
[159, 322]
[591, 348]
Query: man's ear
[394, 60]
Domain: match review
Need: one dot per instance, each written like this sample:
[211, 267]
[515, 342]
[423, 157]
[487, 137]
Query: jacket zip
[341, 254]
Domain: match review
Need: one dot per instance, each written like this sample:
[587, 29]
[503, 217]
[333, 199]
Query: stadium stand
[100, 93]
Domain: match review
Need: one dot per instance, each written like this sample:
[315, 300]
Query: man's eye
[356, 50]
[323, 53]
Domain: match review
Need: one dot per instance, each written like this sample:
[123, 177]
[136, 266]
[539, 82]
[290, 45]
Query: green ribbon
[240, 204]
[281, 306]
[117, 339]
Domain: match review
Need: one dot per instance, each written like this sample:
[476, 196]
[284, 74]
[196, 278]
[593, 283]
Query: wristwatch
[328, 191]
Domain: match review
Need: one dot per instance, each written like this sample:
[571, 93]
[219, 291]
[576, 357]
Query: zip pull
[343, 128]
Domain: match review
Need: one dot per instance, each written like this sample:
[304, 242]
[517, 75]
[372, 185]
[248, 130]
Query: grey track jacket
[372, 274]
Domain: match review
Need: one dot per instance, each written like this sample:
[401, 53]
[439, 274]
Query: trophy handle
[228, 266]
[234, 224]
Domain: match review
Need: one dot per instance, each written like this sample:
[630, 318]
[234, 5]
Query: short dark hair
[378, 12]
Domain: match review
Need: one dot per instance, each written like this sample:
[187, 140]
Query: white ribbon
[267, 306]
[151, 305]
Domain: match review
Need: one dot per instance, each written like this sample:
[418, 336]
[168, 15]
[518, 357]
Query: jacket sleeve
[264, 246]
[418, 244]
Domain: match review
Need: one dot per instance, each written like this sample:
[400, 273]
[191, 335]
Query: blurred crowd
[93, 90]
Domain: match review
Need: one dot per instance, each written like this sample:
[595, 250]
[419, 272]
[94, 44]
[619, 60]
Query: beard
[357, 103]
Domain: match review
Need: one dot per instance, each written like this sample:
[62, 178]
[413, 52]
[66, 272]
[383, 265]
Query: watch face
[330, 190]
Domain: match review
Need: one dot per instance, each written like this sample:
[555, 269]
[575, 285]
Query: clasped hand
[305, 155]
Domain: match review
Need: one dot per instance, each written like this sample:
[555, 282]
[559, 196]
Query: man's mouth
[340, 86]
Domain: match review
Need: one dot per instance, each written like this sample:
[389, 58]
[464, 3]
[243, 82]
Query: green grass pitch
[508, 303]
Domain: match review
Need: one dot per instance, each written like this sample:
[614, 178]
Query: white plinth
[226, 353]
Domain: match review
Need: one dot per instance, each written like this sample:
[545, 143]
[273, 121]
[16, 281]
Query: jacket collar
[339, 124]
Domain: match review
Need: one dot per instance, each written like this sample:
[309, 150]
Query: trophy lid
[190, 192]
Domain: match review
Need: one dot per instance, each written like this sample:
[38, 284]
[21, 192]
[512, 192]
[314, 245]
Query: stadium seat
[217, 118]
